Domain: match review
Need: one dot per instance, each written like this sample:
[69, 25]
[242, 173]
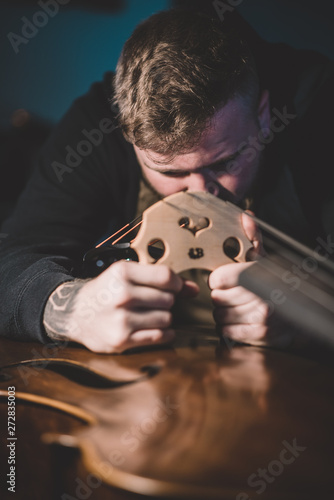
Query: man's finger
[252, 231]
[157, 276]
[227, 276]
[189, 290]
[150, 337]
[235, 296]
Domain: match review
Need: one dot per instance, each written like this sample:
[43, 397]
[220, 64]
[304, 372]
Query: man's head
[188, 96]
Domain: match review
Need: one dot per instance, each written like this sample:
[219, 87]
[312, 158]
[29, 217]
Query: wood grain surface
[201, 419]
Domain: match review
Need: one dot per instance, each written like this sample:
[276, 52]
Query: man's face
[218, 160]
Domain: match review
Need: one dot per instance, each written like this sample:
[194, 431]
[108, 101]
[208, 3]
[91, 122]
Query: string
[134, 227]
[130, 230]
[299, 247]
[288, 240]
[119, 230]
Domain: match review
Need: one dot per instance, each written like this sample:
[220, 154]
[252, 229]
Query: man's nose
[198, 182]
[207, 182]
[203, 181]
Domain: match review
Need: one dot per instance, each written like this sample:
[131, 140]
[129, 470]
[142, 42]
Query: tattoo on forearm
[58, 309]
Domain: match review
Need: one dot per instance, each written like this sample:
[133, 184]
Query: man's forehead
[191, 163]
[185, 160]
[220, 139]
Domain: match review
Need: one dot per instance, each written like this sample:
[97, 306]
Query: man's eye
[224, 168]
[220, 168]
[170, 173]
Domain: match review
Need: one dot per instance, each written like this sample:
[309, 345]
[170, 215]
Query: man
[193, 114]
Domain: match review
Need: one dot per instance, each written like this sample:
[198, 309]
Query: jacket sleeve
[80, 183]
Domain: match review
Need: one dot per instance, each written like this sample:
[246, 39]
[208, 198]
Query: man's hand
[240, 314]
[126, 306]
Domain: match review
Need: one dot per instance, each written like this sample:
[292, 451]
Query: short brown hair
[175, 71]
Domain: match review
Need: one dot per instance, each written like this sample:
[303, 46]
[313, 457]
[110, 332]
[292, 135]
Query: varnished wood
[229, 411]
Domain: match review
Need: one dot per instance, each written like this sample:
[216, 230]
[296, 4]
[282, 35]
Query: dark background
[83, 40]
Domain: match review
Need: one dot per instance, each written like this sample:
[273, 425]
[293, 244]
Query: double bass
[202, 418]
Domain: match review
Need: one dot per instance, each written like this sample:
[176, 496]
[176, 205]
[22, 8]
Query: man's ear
[263, 110]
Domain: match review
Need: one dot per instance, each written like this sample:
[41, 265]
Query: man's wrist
[59, 308]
